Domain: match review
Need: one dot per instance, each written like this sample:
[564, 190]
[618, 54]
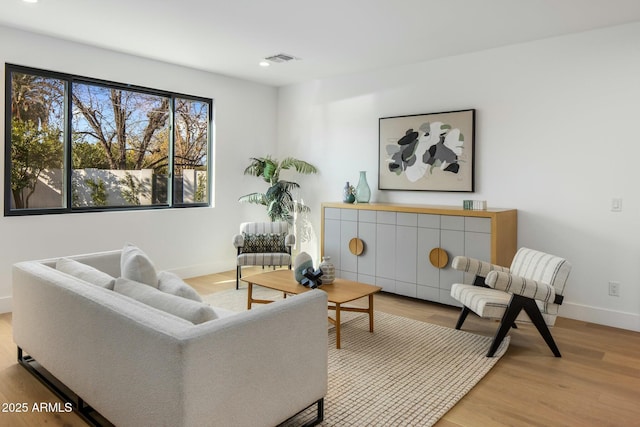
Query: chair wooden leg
[533, 311]
[508, 319]
[463, 315]
[238, 274]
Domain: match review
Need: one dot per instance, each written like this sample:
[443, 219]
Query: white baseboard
[5, 304]
[601, 316]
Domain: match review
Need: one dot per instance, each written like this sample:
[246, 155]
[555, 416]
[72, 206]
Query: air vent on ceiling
[281, 57]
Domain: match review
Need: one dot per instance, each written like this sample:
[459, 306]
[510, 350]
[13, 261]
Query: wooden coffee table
[339, 292]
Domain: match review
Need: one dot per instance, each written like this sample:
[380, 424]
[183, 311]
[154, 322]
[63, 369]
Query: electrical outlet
[614, 289]
[616, 205]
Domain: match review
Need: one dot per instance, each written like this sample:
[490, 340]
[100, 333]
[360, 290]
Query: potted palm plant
[278, 198]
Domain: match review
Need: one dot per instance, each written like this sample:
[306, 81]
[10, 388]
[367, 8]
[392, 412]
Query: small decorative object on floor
[312, 278]
[348, 195]
[363, 192]
[302, 262]
[328, 270]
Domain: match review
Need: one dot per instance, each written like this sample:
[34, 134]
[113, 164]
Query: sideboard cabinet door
[386, 250]
[348, 230]
[367, 260]
[428, 275]
[406, 254]
[331, 237]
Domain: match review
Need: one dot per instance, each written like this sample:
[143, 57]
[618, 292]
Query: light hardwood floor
[595, 383]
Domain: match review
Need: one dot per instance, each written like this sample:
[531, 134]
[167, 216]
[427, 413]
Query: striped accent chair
[530, 290]
[263, 243]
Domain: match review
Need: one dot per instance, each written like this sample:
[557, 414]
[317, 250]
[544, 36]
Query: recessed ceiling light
[30, 1]
[263, 64]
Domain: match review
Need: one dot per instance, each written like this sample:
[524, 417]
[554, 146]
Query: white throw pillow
[86, 273]
[195, 312]
[135, 265]
[172, 284]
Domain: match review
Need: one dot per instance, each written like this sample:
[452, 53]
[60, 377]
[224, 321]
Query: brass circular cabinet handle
[438, 257]
[356, 246]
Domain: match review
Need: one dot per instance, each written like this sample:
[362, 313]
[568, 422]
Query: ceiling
[330, 37]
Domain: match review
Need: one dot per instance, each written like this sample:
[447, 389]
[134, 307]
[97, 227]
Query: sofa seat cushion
[137, 266]
[264, 259]
[485, 302]
[172, 284]
[195, 312]
[85, 272]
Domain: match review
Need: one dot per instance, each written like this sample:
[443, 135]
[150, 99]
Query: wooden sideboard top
[428, 209]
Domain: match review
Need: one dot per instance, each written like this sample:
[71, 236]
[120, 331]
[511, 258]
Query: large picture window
[78, 144]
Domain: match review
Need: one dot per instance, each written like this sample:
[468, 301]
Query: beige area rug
[236, 300]
[405, 373]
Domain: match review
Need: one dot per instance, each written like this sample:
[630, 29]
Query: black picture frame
[427, 152]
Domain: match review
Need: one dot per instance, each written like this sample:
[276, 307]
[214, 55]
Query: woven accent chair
[530, 290]
[263, 243]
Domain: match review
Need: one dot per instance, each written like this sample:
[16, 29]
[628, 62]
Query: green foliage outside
[201, 190]
[33, 151]
[84, 154]
[98, 191]
[132, 189]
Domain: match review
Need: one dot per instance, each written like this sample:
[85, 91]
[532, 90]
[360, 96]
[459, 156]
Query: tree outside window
[191, 151]
[37, 141]
[120, 137]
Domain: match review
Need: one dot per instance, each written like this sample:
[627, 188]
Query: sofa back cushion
[85, 272]
[137, 266]
[193, 311]
[171, 283]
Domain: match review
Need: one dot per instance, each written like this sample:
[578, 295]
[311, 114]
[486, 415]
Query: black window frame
[70, 79]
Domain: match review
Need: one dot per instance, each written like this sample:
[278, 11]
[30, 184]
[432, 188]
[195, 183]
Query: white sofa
[139, 366]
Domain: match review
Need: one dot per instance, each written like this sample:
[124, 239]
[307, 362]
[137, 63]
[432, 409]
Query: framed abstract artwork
[427, 152]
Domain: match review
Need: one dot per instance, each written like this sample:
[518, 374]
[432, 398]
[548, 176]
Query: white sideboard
[408, 249]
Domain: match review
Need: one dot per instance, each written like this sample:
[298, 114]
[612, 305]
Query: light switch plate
[616, 205]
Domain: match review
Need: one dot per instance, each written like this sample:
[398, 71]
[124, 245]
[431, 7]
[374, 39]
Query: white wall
[556, 138]
[191, 241]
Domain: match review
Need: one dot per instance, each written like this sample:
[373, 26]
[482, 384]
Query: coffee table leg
[371, 313]
[337, 326]
[249, 295]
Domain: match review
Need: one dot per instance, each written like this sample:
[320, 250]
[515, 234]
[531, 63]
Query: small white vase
[328, 270]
